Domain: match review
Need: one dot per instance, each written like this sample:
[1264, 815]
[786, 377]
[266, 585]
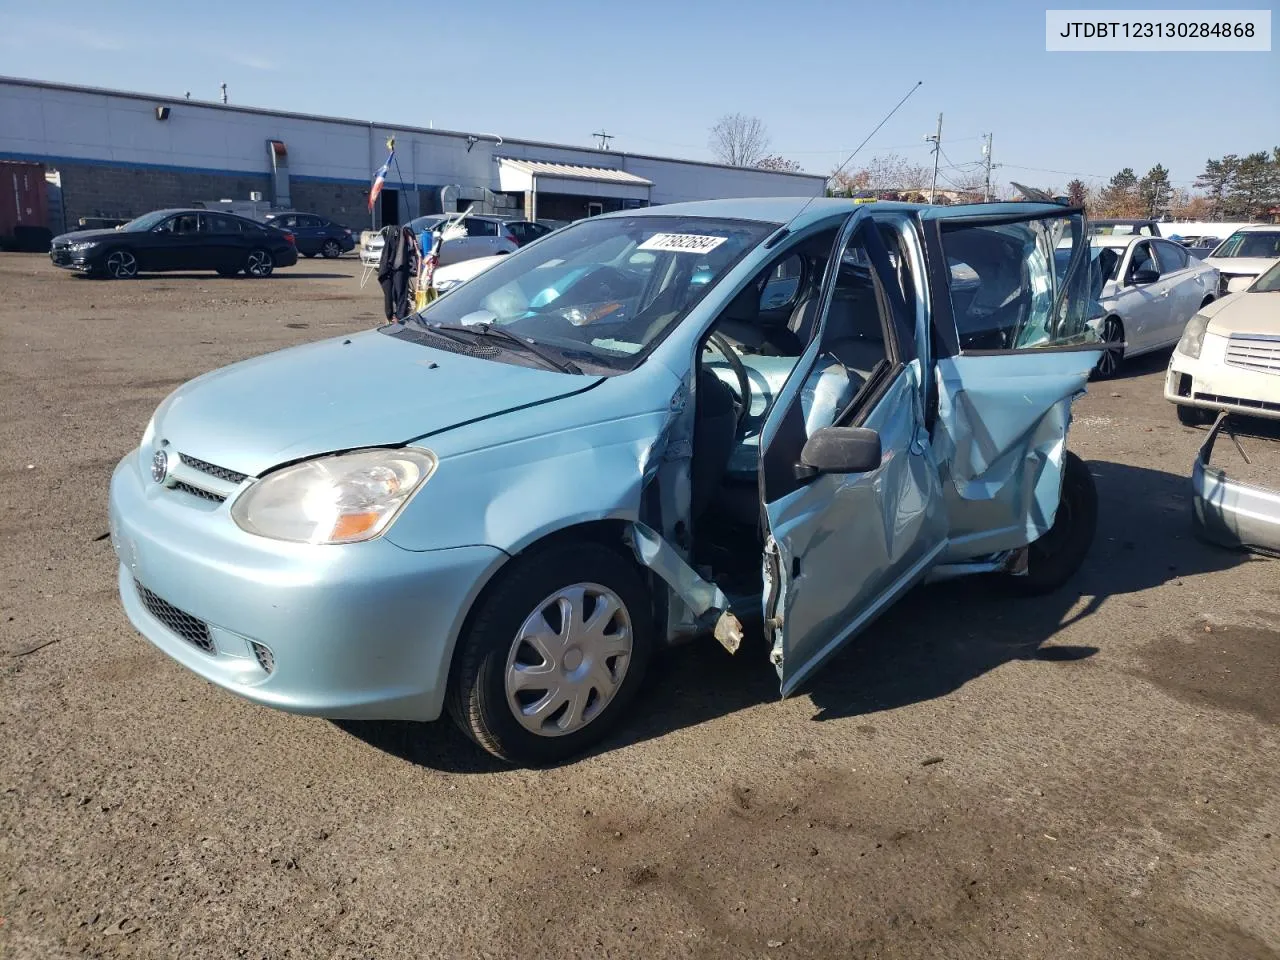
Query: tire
[1055, 557]
[1190, 416]
[490, 681]
[1113, 356]
[259, 263]
[331, 249]
[227, 271]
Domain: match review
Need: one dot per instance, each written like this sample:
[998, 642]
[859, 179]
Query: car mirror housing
[840, 450]
[1145, 276]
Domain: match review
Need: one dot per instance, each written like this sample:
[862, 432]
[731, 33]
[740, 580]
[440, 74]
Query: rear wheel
[553, 655]
[259, 263]
[120, 265]
[1113, 353]
[331, 250]
[1055, 557]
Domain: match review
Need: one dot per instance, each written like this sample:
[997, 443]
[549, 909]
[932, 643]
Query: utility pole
[986, 154]
[603, 137]
[936, 140]
[224, 93]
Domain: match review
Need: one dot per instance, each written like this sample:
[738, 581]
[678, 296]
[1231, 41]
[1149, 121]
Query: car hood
[366, 390]
[1240, 266]
[79, 236]
[466, 269]
[1244, 313]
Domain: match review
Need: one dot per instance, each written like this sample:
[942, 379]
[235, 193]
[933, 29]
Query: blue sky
[657, 74]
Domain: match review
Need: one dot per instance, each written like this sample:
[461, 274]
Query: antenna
[224, 93]
[848, 159]
[603, 137]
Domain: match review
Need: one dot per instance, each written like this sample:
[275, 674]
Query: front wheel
[1055, 557]
[121, 265]
[1190, 416]
[260, 263]
[553, 655]
[331, 250]
[1113, 352]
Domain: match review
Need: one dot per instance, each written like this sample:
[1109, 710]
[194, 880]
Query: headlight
[339, 499]
[82, 245]
[1193, 336]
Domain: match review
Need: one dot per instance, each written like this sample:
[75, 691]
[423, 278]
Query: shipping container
[24, 206]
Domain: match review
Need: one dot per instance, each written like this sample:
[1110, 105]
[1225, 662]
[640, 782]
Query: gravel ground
[1089, 774]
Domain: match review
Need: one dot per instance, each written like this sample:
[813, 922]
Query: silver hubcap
[1109, 362]
[568, 659]
[331, 249]
[121, 263]
[259, 262]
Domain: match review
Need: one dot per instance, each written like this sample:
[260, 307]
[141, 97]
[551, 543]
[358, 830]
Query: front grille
[1239, 402]
[212, 469]
[198, 492]
[1254, 353]
[186, 626]
[266, 659]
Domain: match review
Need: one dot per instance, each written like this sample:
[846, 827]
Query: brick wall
[347, 203]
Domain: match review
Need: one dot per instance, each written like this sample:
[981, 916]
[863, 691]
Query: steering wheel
[731, 356]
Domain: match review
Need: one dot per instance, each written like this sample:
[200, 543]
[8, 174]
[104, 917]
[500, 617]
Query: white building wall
[51, 122]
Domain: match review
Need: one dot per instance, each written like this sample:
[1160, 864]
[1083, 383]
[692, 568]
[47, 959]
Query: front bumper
[1230, 512]
[353, 631]
[1210, 383]
[70, 261]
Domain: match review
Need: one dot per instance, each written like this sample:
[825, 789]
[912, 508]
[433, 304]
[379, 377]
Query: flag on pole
[380, 177]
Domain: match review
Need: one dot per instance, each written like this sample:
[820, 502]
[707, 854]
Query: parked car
[1245, 255]
[466, 238]
[1124, 228]
[315, 235]
[1150, 289]
[456, 274]
[525, 231]
[1229, 356]
[608, 442]
[177, 240]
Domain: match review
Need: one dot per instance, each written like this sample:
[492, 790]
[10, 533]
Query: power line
[603, 137]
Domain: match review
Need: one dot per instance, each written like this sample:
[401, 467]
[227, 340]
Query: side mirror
[839, 450]
[1146, 275]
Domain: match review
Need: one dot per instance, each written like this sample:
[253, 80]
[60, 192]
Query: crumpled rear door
[1012, 299]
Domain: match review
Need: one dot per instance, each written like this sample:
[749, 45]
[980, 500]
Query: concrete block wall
[102, 190]
[345, 203]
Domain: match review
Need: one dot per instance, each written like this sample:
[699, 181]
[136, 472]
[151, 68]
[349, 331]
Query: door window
[215, 223]
[1172, 257]
[480, 228]
[1143, 259]
[186, 224]
[306, 221]
[285, 223]
[1020, 285]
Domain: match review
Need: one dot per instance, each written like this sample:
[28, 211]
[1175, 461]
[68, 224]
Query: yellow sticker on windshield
[682, 243]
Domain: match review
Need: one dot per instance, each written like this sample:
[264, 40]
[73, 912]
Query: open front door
[1011, 300]
[843, 545]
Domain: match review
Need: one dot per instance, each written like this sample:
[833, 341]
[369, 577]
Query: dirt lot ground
[1090, 774]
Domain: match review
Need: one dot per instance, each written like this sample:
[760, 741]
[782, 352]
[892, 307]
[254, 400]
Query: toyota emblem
[160, 466]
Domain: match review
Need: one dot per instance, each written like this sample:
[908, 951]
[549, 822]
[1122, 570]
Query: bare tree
[739, 140]
[893, 172]
[780, 164]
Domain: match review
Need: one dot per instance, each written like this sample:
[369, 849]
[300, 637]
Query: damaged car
[1235, 495]
[766, 418]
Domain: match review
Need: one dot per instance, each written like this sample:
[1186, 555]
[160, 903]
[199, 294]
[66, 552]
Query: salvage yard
[1089, 774]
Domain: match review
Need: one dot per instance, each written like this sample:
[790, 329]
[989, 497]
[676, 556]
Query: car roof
[1255, 227]
[1123, 240]
[809, 210]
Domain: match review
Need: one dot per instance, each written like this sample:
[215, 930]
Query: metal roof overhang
[519, 176]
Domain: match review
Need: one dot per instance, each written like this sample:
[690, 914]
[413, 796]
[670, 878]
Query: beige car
[1229, 356]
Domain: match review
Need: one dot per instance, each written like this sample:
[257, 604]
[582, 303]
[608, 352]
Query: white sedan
[1229, 356]
[455, 274]
[1151, 287]
[1245, 255]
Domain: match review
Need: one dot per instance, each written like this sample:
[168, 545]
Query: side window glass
[481, 228]
[1172, 257]
[1016, 286]
[309, 222]
[1142, 260]
[187, 223]
[783, 285]
[165, 226]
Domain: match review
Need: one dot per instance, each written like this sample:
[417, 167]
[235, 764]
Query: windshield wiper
[489, 330]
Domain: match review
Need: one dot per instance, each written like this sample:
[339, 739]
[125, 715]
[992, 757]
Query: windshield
[603, 290]
[146, 221]
[1269, 282]
[1254, 243]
